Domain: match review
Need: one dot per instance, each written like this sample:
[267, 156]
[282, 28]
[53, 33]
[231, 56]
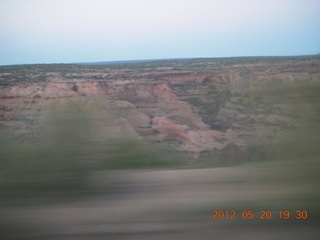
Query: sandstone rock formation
[201, 106]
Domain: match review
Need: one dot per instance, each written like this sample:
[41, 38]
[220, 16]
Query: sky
[69, 31]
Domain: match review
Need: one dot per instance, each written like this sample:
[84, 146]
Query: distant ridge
[298, 57]
[128, 61]
[177, 59]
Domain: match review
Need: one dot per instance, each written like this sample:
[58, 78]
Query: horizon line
[114, 62]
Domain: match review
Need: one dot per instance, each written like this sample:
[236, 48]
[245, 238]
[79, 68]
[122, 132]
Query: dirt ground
[172, 204]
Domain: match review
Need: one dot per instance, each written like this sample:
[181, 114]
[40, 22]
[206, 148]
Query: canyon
[233, 110]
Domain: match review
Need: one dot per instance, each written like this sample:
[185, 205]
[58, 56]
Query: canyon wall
[236, 111]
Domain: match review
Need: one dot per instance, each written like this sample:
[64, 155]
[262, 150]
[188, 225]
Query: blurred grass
[60, 162]
[45, 170]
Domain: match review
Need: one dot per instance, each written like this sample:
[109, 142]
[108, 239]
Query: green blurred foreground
[54, 170]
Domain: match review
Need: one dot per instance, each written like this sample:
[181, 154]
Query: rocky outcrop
[57, 90]
[168, 130]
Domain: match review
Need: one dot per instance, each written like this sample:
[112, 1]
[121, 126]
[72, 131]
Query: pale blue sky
[63, 31]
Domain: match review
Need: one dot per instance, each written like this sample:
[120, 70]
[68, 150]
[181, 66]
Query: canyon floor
[147, 150]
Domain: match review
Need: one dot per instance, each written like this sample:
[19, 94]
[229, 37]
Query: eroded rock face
[140, 121]
[168, 130]
[159, 100]
[57, 90]
[194, 111]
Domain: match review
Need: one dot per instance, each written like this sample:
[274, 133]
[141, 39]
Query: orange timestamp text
[263, 214]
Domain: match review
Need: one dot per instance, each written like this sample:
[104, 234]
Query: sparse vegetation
[26, 73]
